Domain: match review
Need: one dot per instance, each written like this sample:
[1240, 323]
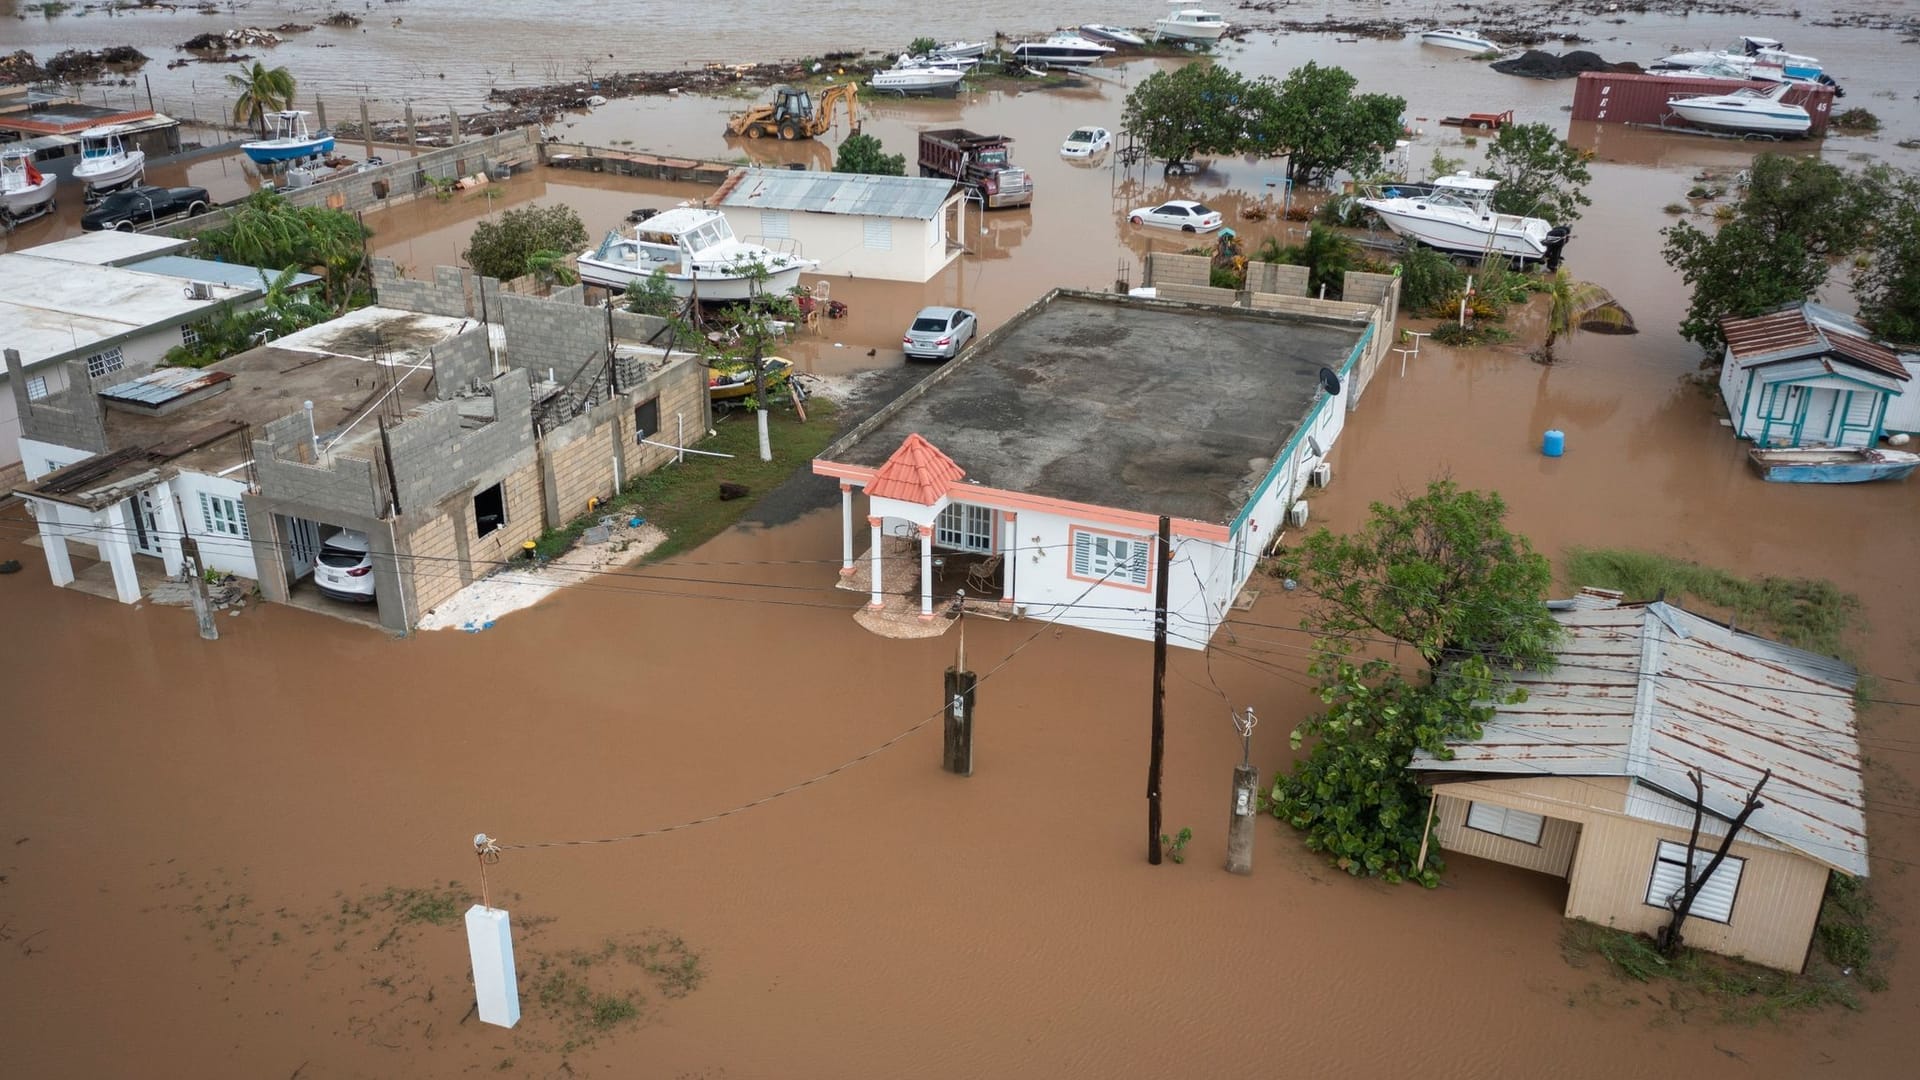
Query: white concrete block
[490, 943]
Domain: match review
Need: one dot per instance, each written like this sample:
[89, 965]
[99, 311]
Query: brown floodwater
[184, 820]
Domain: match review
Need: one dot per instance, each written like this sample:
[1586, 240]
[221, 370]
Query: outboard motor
[1827, 80]
[1557, 238]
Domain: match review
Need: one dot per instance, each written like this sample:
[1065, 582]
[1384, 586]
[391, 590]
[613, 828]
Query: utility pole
[1163, 555]
[196, 578]
[957, 747]
[1246, 785]
[1668, 939]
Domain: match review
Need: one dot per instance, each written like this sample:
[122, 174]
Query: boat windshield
[100, 146]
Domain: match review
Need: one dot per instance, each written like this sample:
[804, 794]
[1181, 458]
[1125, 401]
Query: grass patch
[433, 906]
[1457, 336]
[1803, 612]
[591, 992]
[1847, 931]
[1734, 990]
[683, 499]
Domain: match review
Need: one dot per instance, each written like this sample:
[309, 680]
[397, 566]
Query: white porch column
[53, 541]
[1011, 549]
[846, 530]
[876, 602]
[167, 518]
[926, 572]
[116, 550]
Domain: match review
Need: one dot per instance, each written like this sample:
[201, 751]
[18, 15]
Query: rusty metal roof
[156, 389]
[1652, 691]
[1792, 333]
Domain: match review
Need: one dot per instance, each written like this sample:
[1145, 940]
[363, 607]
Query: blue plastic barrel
[1554, 443]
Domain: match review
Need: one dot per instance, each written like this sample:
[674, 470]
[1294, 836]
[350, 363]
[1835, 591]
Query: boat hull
[1115, 34]
[1460, 237]
[100, 173]
[1785, 123]
[1453, 40]
[916, 82]
[1832, 466]
[710, 287]
[1187, 32]
[1048, 58]
[274, 150]
[30, 201]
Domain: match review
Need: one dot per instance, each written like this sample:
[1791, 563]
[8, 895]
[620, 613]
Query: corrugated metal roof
[156, 388]
[219, 273]
[1795, 332]
[838, 193]
[1652, 691]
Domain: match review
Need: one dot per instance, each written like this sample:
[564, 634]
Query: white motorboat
[1753, 58]
[1747, 46]
[975, 49]
[105, 162]
[938, 60]
[696, 250]
[1455, 214]
[1453, 37]
[1745, 111]
[1190, 24]
[917, 79]
[1061, 51]
[25, 192]
[291, 140]
[1116, 35]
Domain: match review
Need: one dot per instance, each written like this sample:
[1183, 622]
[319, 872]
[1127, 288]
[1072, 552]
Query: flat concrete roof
[216, 272]
[1139, 405]
[389, 335]
[54, 308]
[109, 247]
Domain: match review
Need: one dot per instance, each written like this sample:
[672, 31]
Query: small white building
[1807, 376]
[116, 300]
[895, 228]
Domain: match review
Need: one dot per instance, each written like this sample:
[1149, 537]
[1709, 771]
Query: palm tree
[1580, 304]
[262, 90]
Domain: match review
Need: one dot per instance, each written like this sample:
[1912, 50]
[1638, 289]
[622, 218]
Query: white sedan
[1183, 214]
[1086, 142]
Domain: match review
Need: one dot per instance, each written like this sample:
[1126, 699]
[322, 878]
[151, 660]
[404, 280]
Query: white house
[1807, 376]
[116, 300]
[1043, 458]
[897, 228]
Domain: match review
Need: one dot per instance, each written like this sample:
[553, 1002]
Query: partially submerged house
[446, 439]
[1042, 459]
[1808, 376]
[896, 228]
[1587, 779]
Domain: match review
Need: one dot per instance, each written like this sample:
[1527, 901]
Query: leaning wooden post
[1246, 787]
[366, 128]
[957, 748]
[413, 131]
[196, 578]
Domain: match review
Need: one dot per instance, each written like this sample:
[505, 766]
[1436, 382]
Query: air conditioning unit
[1321, 476]
[1297, 514]
[199, 290]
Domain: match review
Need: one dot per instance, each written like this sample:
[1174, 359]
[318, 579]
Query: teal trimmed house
[1807, 376]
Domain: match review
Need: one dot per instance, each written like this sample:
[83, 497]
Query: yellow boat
[734, 382]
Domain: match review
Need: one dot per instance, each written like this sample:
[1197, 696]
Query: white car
[1183, 214]
[939, 333]
[344, 569]
[1086, 142]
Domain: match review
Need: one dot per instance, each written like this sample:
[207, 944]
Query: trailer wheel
[789, 131]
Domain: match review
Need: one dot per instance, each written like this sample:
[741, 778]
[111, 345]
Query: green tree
[922, 45]
[505, 247]
[865, 154]
[1314, 117]
[1888, 284]
[1427, 277]
[1573, 303]
[1796, 216]
[1540, 174]
[746, 335]
[262, 90]
[1192, 110]
[268, 231]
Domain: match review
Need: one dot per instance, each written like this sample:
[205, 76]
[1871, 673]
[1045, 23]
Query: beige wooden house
[1587, 779]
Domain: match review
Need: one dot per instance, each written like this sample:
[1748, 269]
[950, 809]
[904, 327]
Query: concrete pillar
[53, 541]
[413, 133]
[1246, 787]
[116, 550]
[926, 572]
[1011, 550]
[956, 749]
[366, 128]
[320, 113]
[846, 530]
[166, 514]
[876, 522]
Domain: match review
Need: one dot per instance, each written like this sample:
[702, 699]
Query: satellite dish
[1329, 381]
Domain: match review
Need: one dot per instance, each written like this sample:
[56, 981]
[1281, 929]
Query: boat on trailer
[1745, 111]
[917, 78]
[105, 162]
[1831, 465]
[291, 139]
[1061, 51]
[695, 250]
[25, 192]
[1455, 214]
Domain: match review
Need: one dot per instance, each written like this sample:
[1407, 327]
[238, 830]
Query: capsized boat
[1061, 51]
[1190, 24]
[695, 250]
[105, 162]
[1745, 111]
[1836, 465]
[917, 79]
[1455, 213]
[734, 381]
[290, 141]
[1115, 35]
[1454, 37]
[25, 192]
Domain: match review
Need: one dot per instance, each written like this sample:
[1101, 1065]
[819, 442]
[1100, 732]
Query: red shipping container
[1611, 98]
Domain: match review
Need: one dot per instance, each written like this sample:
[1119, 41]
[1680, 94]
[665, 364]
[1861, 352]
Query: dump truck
[796, 114]
[981, 163]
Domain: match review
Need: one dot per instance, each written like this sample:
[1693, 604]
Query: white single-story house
[1043, 458]
[1588, 778]
[116, 300]
[1807, 376]
[896, 228]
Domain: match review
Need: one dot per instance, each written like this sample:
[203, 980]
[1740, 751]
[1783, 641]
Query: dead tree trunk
[1669, 939]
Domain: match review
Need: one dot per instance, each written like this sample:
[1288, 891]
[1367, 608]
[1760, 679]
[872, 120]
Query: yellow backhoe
[796, 114]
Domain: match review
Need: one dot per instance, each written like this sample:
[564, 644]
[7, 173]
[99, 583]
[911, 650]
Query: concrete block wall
[452, 292]
[70, 417]
[1165, 268]
[552, 334]
[461, 363]
[1359, 287]
[444, 548]
[288, 475]
[436, 567]
[598, 450]
[434, 455]
[681, 387]
[1282, 278]
[1198, 294]
[1307, 305]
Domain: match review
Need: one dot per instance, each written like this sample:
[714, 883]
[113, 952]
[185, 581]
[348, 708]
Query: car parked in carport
[939, 333]
[344, 569]
[135, 207]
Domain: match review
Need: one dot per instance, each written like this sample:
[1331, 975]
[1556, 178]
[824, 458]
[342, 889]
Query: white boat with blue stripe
[1746, 111]
[291, 139]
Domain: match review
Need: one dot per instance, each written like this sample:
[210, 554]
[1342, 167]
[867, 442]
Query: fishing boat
[1190, 24]
[734, 381]
[1455, 214]
[917, 79]
[696, 251]
[105, 162]
[290, 141]
[1114, 35]
[1061, 51]
[1836, 465]
[1745, 111]
[1453, 37]
[25, 192]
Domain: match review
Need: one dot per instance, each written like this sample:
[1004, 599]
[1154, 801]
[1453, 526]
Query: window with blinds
[223, 516]
[1502, 821]
[1670, 875]
[776, 225]
[1120, 560]
[878, 234]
